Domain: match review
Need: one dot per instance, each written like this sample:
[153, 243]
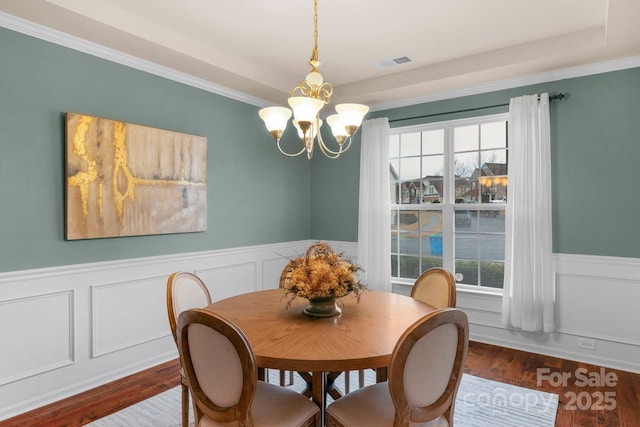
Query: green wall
[595, 141]
[255, 195]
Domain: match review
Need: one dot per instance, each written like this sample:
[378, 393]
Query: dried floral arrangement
[321, 272]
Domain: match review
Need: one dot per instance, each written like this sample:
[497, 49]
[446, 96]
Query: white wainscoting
[68, 329]
[597, 299]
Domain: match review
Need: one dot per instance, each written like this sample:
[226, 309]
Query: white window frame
[448, 205]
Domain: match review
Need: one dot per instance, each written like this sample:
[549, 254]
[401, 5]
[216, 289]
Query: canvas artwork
[124, 179]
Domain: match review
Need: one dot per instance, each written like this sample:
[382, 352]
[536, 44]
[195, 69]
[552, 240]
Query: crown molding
[566, 73]
[63, 39]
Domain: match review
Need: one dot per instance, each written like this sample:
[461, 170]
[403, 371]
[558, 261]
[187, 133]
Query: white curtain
[529, 289]
[374, 229]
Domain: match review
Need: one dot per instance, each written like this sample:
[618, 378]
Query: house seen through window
[448, 200]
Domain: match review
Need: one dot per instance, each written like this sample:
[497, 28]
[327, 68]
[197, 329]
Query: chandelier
[306, 100]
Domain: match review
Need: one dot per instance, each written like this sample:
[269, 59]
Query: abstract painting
[124, 179]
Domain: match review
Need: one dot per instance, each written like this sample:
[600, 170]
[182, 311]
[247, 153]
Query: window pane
[467, 272]
[492, 274]
[395, 169]
[431, 262]
[465, 191]
[492, 247]
[433, 166]
[409, 267]
[433, 245]
[433, 189]
[408, 243]
[493, 176]
[394, 266]
[466, 246]
[491, 221]
[433, 142]
[409, 168]
[407, 220]
[394, 146]
[431, 221]
[465, 138]
[466, 164]
[494, 161]
[394, 242]
[493, 135]
[410, 144]
[396, 192]
[465, 220]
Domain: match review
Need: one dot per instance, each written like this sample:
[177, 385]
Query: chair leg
[361, 378]
[185, 405]
[347, 382]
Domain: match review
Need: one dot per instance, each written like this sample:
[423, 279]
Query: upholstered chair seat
[372, 406]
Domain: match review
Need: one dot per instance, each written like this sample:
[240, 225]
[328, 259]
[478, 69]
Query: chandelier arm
[346, 145]
[328, 153]
[326, 150]
[288, 154]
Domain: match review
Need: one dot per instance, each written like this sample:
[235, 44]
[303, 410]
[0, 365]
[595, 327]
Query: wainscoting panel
[37, 335]
[596, 301]
[128, 313]
[599, 307]
[271, 271]
[227, 281]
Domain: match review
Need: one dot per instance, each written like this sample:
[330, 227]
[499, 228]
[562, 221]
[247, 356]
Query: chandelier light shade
[275, 119]
[306, 100]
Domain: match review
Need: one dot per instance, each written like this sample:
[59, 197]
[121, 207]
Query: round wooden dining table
[363, 336]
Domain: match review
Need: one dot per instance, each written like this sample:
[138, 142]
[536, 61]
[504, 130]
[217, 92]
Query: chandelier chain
[314, 53]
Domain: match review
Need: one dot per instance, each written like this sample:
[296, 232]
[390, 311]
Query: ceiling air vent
[386, 63]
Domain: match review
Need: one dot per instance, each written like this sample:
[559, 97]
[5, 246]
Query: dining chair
[184, 291]
[437, 287]
[424, 375]
[221, 370]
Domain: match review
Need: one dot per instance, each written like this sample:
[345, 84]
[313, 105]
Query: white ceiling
[260, 48]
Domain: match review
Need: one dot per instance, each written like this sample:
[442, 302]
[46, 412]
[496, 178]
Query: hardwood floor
[99, 402]
[580, 393]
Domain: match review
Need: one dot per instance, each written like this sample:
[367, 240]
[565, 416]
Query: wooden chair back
[427, 365]
[436, 287]
[219, 365]
[184, 291]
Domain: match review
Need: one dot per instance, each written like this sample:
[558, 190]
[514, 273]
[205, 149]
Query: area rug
[479, 403]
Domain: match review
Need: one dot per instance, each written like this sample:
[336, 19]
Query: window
[448, 198]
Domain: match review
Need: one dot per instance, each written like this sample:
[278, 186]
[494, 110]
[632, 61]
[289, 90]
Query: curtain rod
[553, 97]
